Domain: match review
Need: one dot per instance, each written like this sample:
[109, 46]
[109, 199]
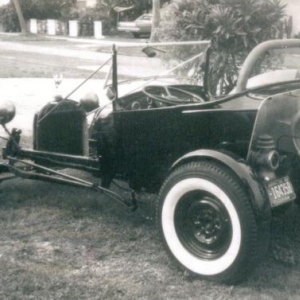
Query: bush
[9, 19]
[47, 9]
[233, 26]
[36, 9]
[86, 20]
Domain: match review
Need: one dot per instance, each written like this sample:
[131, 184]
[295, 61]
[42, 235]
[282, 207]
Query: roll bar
[254, 55]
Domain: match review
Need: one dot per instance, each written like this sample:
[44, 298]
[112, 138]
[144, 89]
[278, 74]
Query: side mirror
[151, 52]
[110, 93]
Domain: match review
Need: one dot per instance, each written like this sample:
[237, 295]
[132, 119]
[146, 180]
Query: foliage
[45, 9]
[86, 20]
[139, 7]
[108, 7]
[233, 26]
[37, 9]
[9, 19]
[66, 10]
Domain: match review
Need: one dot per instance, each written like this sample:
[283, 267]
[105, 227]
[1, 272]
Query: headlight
[7, 112]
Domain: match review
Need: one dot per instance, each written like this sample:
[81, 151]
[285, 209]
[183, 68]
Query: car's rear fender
[243, 172]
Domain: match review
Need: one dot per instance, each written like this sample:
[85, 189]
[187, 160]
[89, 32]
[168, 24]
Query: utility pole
[20, 16]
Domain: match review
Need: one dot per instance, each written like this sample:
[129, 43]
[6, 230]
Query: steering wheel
[165, 95]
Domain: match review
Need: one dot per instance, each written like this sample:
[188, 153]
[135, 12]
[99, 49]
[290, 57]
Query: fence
[71, 28]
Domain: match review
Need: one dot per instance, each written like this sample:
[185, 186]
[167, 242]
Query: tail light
[264, 158]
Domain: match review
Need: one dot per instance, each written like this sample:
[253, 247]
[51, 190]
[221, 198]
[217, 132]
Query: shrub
[86, 20]
[37, 9]
[9, 19]
[47, 9]
[233, 26]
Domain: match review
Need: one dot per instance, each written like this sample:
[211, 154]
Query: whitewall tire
[207, 222]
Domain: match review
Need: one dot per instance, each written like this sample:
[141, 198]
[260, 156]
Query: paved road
[88, 59]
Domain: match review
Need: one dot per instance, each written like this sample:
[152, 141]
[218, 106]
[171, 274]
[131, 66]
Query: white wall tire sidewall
[188, 260]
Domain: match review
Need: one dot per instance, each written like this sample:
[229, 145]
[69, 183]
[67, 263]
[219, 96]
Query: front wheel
[207, 222]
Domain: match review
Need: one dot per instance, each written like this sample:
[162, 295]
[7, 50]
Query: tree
[234, 27]
[20, 16]
[13, 14]
[155, 20]
[156, 6]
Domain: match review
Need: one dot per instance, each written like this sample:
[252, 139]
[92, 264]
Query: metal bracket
[49, 175]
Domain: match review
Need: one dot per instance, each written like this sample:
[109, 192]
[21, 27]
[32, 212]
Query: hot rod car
[220, 166]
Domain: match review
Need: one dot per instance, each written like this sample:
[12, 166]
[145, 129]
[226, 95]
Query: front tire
[207, 223]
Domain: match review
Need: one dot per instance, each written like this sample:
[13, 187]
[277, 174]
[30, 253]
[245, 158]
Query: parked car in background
[140, 26]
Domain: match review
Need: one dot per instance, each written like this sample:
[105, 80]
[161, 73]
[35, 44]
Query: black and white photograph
[149, 149]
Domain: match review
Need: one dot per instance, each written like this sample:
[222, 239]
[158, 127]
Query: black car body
[218, 165]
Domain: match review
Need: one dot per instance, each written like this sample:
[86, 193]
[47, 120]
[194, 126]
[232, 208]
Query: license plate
[280, 191]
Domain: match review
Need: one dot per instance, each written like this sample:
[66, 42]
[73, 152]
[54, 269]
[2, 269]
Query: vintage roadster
[220, 166]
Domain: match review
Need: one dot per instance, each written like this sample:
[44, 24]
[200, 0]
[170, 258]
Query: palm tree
[155, 20]
[20, 16]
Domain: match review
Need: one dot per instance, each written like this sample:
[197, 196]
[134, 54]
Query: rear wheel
[207, 222]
